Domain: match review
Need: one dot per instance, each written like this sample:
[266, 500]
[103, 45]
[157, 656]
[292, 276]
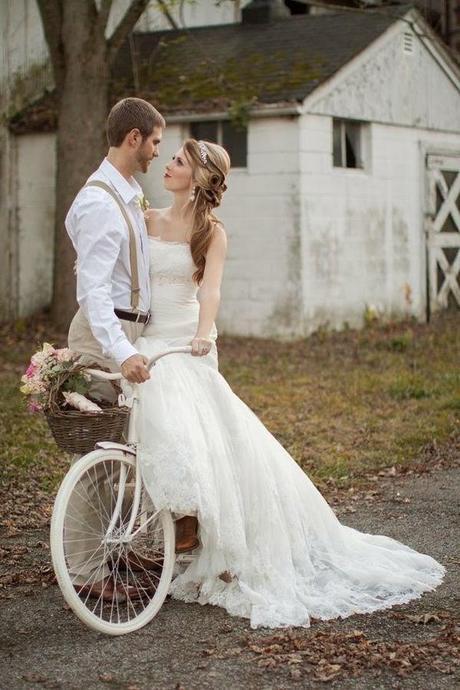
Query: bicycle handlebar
[107, 376]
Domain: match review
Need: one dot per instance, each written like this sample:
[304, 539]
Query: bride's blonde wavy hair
[208, 189]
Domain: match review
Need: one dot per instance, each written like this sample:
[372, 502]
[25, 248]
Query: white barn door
[443, 232]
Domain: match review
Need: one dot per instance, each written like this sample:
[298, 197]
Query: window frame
[361, 147]
[219, 122]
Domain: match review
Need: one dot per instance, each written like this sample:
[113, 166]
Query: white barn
[345, 190]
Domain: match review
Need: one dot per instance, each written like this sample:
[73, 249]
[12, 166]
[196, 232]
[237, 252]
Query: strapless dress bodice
[173, 303]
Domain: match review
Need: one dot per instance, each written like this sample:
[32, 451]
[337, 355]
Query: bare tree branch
[126, 25]
[164, 8]
[51, 14]
[104, 12]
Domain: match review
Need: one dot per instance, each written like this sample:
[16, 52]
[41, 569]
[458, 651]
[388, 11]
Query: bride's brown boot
[186, 534]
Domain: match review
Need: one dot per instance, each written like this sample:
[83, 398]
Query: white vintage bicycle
[119, 531]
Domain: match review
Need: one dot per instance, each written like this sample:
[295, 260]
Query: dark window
[233, 139]
[205, 130]
[296, 7]
[347, 143]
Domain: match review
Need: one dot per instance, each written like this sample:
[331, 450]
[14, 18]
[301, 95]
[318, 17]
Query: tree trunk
[81, 56]
[81, 143]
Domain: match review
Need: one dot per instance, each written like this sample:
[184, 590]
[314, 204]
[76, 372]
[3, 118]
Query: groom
[113, 311]
[107, 228]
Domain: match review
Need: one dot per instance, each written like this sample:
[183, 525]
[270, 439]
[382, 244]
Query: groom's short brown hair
[132, 113]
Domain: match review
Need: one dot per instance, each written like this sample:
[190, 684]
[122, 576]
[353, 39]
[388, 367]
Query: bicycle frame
[131, 448]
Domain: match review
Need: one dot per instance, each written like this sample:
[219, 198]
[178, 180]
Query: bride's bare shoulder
[219, 232]
[155, 213]
[219, 239]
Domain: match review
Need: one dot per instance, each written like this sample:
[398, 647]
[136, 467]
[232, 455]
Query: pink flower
[31, 370]
[34, 406]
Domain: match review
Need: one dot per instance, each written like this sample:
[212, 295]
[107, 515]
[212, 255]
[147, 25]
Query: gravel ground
[189, 646]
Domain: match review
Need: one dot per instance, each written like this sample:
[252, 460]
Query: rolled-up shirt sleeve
[97, 235]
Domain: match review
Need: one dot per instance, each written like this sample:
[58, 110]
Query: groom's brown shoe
[186, 534]
[107, 590]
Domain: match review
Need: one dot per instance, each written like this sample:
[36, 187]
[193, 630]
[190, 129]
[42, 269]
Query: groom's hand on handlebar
[134, 370]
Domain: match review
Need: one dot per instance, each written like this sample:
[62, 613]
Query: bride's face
[178, 173]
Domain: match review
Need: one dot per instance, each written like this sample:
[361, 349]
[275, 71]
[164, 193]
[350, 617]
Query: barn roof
[214, 68]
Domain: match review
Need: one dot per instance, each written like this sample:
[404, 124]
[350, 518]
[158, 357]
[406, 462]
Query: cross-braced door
[443, 231]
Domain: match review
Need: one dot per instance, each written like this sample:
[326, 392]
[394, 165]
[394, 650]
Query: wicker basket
[78, 432]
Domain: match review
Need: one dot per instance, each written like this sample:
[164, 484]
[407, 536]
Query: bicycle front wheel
[115, 579]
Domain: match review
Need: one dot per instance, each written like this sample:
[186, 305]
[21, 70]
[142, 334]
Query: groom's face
[148, 149]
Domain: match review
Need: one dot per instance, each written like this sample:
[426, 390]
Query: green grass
[342, 404]
[27, 449]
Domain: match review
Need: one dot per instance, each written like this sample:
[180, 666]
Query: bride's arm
[209, 291]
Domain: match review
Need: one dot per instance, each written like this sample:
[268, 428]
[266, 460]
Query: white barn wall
[384, 84]
[363, 241]
[309, 244]
[352, 227]
[36, 164]
[25, 73]
[262, 284]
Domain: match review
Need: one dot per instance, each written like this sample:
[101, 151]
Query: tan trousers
[82, 340]
[91, 504]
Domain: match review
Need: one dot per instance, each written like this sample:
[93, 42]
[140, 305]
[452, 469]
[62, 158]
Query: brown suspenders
[135, 289]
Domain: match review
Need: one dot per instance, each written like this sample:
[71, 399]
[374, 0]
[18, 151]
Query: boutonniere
[144, 203]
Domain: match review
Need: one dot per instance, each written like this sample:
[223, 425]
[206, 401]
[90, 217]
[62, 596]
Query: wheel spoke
[85, 525]
[126, 563]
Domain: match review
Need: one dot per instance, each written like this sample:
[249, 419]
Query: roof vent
[408, 42]
[263, 11]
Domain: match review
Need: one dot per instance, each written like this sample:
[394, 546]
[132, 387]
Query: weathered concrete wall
[363, 241]
[24, 74]
[262, 289]
[36, 167]
[261, 292]
[310, 245]
[8, 243]
[387, 85]
[23, 40]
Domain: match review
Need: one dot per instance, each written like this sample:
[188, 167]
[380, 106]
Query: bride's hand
[201, 346]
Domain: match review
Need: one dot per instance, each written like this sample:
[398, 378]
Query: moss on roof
[231, 67]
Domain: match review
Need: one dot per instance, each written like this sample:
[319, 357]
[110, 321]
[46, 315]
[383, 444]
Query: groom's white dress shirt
[101, 239]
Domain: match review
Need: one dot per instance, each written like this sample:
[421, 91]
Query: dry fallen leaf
[106, 677]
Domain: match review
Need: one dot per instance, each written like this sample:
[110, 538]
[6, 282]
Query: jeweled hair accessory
[203, 152]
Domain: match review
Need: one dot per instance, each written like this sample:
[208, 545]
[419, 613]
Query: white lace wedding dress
[205, 453]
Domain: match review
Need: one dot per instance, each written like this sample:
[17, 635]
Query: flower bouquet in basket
[57, 385]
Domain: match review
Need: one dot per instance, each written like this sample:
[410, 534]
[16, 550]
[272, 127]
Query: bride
[266, 544]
